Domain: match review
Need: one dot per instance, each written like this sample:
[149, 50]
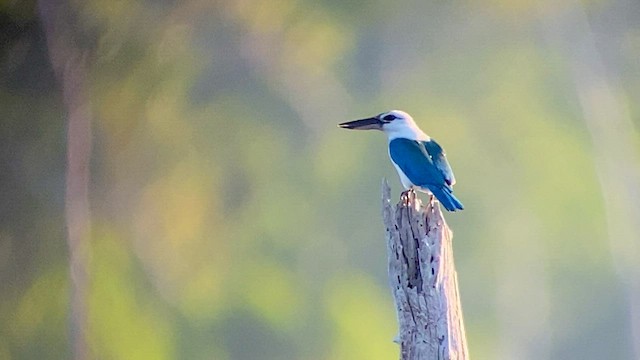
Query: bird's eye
[389, 117]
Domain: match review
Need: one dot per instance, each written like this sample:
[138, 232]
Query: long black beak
[365, 124]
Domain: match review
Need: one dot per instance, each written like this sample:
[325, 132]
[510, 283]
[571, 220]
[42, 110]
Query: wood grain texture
[423, 280]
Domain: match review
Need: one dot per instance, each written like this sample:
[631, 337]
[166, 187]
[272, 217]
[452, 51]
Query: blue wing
[439, 159]
[416, 163]
[425, 164]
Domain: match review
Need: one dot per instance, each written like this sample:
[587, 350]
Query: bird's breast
[406, 183]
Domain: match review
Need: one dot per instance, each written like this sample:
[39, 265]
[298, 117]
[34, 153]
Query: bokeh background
[232, 219]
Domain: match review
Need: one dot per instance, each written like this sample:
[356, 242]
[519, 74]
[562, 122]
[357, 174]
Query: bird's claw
[432, 203]
[407, 197]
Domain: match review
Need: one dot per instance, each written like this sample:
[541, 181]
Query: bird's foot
[432, 203]
[407, 197]
[404, 197]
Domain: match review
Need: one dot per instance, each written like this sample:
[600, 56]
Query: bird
[420, 161]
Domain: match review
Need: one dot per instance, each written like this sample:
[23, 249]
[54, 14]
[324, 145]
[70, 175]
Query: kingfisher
[420, 161]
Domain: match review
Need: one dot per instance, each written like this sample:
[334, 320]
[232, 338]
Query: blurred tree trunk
[423, 281]
[614, 142]
[69, 62]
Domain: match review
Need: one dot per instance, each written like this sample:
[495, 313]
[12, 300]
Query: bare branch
[423, 280]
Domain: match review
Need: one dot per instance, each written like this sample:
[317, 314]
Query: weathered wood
[69, 61]
[423, 280]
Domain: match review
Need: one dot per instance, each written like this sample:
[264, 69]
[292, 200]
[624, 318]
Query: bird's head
[394, 123]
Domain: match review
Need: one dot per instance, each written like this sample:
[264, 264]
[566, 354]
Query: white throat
[408, 130]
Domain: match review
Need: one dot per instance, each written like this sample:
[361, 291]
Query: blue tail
[447, 199]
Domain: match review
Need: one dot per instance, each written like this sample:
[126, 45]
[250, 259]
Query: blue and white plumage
[420, 161]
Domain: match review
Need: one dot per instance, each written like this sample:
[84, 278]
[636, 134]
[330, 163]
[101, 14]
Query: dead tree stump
[423, 280]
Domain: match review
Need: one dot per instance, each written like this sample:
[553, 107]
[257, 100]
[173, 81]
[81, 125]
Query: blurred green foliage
[233, 220]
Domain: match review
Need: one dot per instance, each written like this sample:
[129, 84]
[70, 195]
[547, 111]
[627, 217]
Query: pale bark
[69, 62]
[615, 144]
[423, 280]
